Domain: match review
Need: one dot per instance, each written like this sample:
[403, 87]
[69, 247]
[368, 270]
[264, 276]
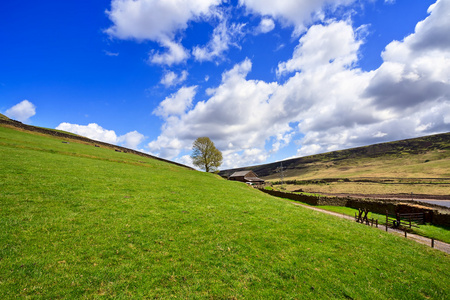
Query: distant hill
[423, 157]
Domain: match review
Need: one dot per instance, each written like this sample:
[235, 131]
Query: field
[431, 164]
[84, 222]
[368, 188]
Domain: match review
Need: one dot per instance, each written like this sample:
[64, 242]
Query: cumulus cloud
[131, 139]
[176, 104]
[92, 131]
[432, 33]
[231, 117]
[22, 111]
[293, 12]
[408, 95]
[223, 36]
[175, 54]
[326, 103]
[157, 21]
[171, 78]
[322, 45]
[416, 70]
[98, 133]
[266, 25]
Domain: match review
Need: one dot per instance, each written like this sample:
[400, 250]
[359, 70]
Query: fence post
[432, 243]
[387, 221]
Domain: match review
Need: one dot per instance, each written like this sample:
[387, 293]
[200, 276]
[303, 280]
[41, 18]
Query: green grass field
[85, 222]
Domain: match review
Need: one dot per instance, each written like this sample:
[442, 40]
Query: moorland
[420, 166]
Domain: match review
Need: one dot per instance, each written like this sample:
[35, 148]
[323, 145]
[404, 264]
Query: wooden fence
[405, 220]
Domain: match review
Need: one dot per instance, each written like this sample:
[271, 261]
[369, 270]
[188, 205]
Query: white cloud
[108, 53]
[322, 45]
[266, 25]
[176, 104]
[176, 54]
[92, 131]
[247, 157]
[96, 132]
[416, 70]
[335, 104]
[153, 19]
[21, 111]
[407, 96]
[131, 139]
[231, 117]
[157, 21]
[379, 134]
[293, 12]
[171, 78]
[186, 160]
[311, 149]
[223, 36]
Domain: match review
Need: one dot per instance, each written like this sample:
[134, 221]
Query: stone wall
[379, 206]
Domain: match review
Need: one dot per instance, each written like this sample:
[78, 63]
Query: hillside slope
[68, 136]
[424, 157]
[84, 222]
[3, 117]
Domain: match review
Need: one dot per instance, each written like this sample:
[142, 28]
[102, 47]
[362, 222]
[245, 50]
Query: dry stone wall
[379, 206]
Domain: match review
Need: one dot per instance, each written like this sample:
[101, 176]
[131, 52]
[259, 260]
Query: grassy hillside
[85, 222]
[425, 157]
[3, 117]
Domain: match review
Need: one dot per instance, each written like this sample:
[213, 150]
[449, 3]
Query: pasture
[85, 222]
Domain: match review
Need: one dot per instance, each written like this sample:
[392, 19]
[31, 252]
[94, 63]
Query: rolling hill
[80, 221]
[424, 157]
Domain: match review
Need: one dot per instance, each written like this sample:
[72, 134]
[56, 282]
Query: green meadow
[441, 233]
[84, 222]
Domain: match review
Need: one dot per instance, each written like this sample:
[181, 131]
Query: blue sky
[265, 80]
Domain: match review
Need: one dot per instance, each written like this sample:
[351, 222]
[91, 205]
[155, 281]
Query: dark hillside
[392, 150]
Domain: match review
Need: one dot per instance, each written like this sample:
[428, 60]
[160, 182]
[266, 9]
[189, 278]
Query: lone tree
[205, 155]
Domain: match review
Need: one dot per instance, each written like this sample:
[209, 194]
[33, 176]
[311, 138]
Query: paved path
[444, 247]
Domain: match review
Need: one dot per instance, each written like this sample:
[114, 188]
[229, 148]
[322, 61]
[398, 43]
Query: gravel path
[441, 246]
